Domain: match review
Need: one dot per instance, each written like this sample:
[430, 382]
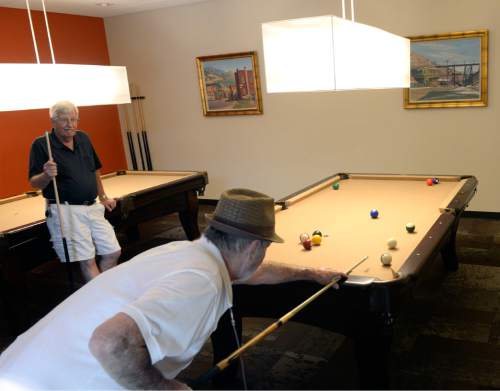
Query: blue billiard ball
[374, 213]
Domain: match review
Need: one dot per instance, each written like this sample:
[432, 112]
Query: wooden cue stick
[65, 244]
[136, 120]
[223, 364]
[130, 140]
[145, 135]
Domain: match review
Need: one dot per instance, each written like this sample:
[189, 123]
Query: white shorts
[86, 230]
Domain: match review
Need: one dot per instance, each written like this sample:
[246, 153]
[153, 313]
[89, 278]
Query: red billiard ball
[429, 182]
[307, 244]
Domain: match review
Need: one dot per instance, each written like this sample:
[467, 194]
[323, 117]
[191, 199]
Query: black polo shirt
[76, 181]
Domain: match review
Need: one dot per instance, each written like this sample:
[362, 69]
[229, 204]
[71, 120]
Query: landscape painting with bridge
[448, 70]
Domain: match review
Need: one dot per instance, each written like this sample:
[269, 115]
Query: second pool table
[141, 196]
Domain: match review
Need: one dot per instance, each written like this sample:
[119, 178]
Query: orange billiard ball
[429, 182]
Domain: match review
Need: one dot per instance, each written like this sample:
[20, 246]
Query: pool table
[366, 305]
[140, 195]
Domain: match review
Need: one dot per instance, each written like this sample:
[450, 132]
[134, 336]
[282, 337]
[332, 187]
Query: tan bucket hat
[245, 213]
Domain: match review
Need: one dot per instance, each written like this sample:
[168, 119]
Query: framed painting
[230, 84]
[448, 70]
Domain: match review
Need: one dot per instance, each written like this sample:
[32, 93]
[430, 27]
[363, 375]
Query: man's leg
[104, 238]
[108, 261]
[89, 269]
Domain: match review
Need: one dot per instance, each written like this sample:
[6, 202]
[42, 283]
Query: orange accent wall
[76, 40]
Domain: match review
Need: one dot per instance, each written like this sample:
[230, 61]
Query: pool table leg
[448, 251]
[223, 344]
[373, 331]
[189, 216]
[372, 351]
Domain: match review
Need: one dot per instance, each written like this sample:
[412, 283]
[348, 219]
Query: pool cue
[130, 140]
[141, 126]
[136, 121]
[223, 364]
[145, 135]
[65, 244]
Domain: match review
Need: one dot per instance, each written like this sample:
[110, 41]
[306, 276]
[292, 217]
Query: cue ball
[335, 186]
[307, 244]
[303, 237]
[316, 240]
[435, 180]
[392, 243]
[374, 213]
[410, 227]
[429, 182]
[386, 259]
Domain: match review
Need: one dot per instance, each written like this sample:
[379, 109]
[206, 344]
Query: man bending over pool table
[139, 324]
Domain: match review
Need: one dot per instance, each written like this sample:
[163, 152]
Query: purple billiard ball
[374, 213]
[435, 180]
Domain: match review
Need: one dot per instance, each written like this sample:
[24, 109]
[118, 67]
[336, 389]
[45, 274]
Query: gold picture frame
[230, 84]
[448, 70]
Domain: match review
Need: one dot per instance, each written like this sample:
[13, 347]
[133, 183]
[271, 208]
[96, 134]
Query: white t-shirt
[176, 294]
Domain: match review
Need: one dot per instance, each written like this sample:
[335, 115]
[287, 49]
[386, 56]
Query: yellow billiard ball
[316, 240]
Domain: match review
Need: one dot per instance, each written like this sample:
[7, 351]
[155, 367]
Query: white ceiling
[93, 7]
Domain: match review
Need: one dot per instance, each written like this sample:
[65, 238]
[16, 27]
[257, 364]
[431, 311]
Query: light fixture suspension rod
[352, 10]
[48, 32]
[32, 32]
[343, 9]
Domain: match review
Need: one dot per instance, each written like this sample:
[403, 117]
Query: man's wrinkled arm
[120, 348]
[275, 273]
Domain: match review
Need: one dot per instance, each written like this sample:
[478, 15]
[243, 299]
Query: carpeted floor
[448, 339]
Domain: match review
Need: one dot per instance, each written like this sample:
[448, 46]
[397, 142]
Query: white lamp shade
[38, 86]
[327, 53]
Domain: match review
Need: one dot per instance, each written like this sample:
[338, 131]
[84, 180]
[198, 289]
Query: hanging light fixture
[328, 53]
[38, 86]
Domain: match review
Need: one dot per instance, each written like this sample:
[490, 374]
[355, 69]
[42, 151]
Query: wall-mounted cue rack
[137, 127]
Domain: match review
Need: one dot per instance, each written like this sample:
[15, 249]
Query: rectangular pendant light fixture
[328, 53]
[38, 86]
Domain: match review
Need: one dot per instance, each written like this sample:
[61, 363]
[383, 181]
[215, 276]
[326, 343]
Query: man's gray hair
[228, 242]
[62, 107]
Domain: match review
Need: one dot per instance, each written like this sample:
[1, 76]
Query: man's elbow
[33, 183]
[36, 183]
[103, 345]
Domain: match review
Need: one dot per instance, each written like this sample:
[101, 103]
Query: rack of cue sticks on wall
[137, 127]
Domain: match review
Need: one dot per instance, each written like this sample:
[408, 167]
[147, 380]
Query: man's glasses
[67, 120]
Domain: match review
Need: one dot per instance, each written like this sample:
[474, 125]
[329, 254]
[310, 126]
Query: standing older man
[139, 324]
[77, 168]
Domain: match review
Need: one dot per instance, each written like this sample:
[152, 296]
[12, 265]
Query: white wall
[304, 137]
